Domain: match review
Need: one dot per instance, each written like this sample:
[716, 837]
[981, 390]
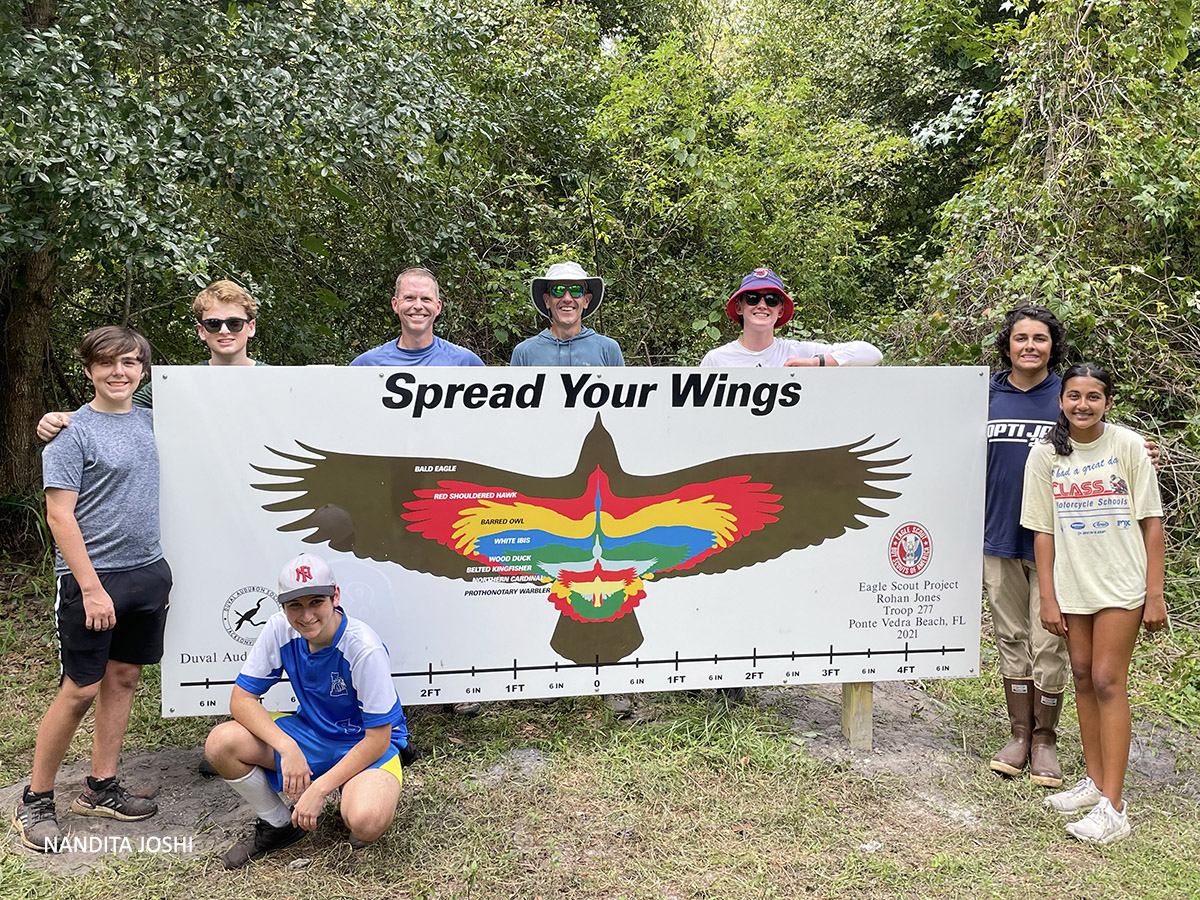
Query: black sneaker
[266, 838]
[37, 821]
[106, 798]
[410, 753]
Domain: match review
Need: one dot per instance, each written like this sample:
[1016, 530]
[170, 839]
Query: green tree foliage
[912, 168]
[1088, 199]
[131, 122]
[716, 168]
[478, 197]
[643, 21]
[1086, 202]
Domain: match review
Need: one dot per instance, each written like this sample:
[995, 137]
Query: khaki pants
[1025, 648]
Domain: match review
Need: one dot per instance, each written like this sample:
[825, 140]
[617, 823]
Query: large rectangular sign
[541, 533]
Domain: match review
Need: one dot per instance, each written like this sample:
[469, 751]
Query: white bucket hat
[570, 272]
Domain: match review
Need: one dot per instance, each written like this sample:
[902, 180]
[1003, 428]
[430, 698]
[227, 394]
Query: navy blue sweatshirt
[1017, 420]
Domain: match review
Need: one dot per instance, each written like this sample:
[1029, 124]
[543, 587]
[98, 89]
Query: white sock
[263, 799]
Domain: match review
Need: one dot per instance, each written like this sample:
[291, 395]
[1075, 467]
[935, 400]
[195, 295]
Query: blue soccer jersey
[341, 690]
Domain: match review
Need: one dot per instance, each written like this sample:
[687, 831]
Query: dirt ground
[911, 732]
[913, 737]
[196, 815]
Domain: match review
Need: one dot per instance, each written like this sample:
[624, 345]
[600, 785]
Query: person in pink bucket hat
[761, 305]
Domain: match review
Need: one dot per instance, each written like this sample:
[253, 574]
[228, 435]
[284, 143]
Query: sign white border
[852, 608]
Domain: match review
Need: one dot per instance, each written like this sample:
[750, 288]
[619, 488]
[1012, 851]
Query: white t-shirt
[1092, 502]
[734, 355]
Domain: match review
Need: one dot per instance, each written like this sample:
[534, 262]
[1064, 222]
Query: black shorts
[140, 598]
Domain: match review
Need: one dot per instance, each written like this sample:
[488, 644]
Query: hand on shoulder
[51, 424]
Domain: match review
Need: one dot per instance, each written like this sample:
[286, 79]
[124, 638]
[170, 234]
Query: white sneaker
[1102, 825]
[1082, 796]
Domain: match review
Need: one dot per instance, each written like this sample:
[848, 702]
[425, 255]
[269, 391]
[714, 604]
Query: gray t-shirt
[111, 461]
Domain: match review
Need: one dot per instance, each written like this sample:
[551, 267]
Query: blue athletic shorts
[323, 754]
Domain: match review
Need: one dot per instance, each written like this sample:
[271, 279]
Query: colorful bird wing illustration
[508, 530]
[813, 496]
[594, 532]
[644, 533]
[357, 503]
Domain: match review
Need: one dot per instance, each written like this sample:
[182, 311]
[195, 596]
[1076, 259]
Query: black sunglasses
[233, 323]
[557, 290]
[772, 300]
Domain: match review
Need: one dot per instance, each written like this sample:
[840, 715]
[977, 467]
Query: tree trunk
[40, 13]
[26, 301]
[27, 279]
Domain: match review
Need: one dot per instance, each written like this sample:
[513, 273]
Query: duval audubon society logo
[246, 612]
[910, 549]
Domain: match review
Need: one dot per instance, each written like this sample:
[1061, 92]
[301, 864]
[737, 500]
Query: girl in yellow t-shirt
[1091, 497]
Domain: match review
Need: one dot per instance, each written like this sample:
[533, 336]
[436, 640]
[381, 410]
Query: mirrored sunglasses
[233, 323]
[557, 290]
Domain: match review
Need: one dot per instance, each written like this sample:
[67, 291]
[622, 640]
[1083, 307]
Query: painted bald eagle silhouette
[596, 535]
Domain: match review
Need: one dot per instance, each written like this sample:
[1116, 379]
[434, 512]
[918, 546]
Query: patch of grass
[28, 660]
[1164, 683]
[662, 808]
[1165, 680]
[26, 600]
[24, 533]
[693, 797]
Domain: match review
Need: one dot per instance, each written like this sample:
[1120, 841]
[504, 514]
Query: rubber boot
[1043, 760]
[1018, 695]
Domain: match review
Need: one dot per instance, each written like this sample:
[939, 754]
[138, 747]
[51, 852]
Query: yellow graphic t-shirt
[1092, 502]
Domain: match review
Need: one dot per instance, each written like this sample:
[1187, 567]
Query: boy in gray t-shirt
[112, 584]
[111, 463]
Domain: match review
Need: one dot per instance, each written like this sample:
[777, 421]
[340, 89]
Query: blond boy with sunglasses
[225, 320]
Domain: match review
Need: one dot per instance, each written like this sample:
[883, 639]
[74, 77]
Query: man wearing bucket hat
[348, 731]
[760, 306]
[566, 296]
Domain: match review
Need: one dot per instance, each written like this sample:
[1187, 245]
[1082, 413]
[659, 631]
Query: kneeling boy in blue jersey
[346, 733]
